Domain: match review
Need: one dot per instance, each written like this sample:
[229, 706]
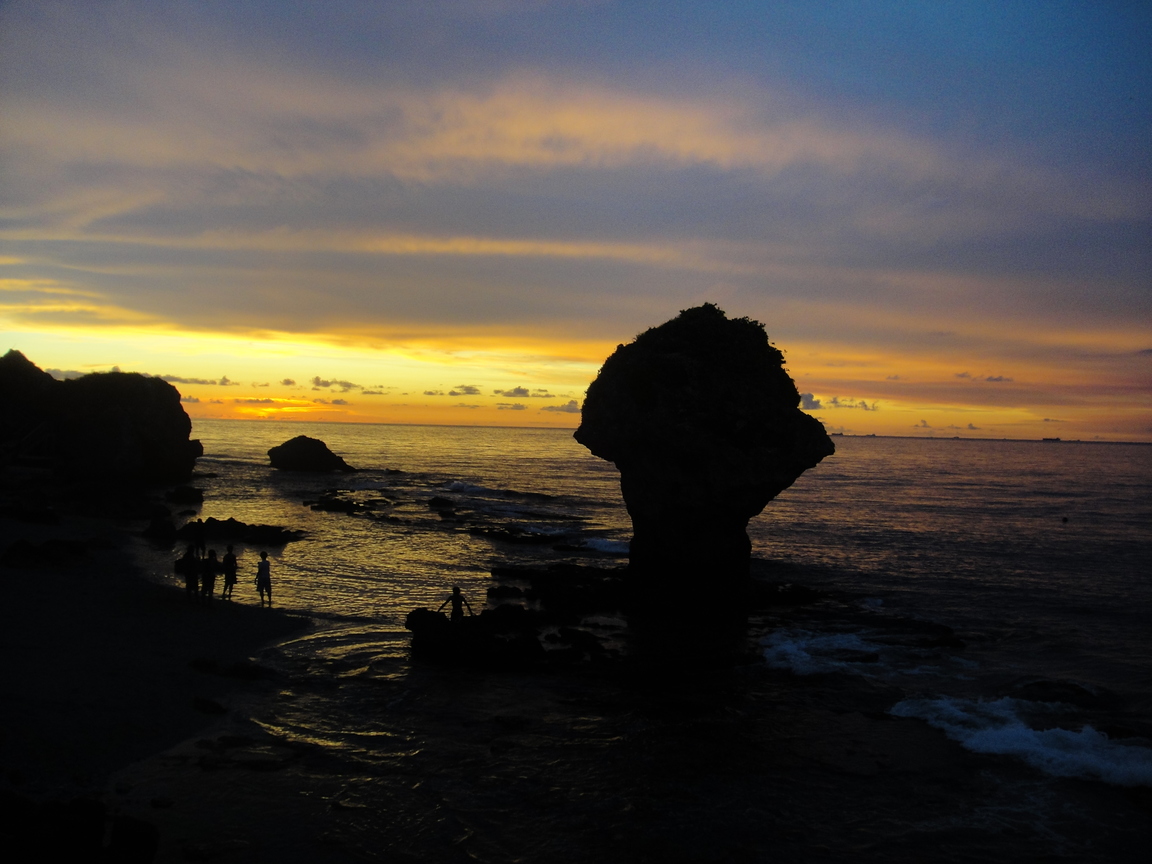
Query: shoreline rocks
[232, 530]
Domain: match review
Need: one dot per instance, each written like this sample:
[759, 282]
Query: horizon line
[573, 429]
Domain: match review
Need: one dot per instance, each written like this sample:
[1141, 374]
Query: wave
[462, 487]
[899, 647]
[998, 727]
[608, 547]
[804, 653]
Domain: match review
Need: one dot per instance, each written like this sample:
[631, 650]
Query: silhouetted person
[228, 565]
[209, 567]
[189, 567]
[264, 578]
[458, 602]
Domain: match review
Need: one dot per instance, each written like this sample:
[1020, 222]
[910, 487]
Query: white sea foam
[459, 486]
[541, 530]
[806, 653]
[611, 547]
[997, 727]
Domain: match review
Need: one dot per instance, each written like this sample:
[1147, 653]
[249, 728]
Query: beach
[102, 666]
[309, 733]
[104, 698]
[579, 768]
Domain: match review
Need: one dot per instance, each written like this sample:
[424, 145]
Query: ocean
[1030, 556]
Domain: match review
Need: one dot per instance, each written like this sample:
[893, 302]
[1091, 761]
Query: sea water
[1034, 553]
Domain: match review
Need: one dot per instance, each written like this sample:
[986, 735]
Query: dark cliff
[110, 426]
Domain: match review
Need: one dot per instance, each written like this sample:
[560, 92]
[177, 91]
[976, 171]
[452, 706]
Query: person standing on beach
[208, 569]
[228, 564]
[458, 601]
[189, 566]
[264, 578]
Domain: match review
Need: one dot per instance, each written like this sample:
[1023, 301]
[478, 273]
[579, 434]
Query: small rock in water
[306, 454]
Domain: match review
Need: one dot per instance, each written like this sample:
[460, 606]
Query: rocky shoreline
[100, 667]
[617, 763]
[119, 691]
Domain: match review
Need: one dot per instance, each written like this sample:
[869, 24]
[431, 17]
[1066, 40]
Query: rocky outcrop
[115, 426]
[232, 530]
[704, 424]
[306, 454]
[502, 638]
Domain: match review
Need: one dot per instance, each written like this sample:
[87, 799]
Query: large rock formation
[120, 427]
[306, 454]
[705, 426]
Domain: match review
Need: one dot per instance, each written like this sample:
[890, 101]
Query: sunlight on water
[1034, 552]
[534, 481]
[972, 533]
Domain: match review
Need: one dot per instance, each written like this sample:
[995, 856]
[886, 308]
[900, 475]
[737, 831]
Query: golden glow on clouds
[47, 303]
[902, 393]
[281, 123]
[276, 375]
[523, 120]
[934, 351]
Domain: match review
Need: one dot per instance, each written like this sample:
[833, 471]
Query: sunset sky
[452, 212]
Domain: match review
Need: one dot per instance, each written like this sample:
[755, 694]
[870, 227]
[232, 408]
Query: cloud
[974, 428]
[524, 393]
[569, 407]
[994, 379]
[809, 403]
[249, 184]
[434, 393]
[191, 400]
[465, 390]
[462, 405]
[511, 406]
[65, 375]
[319, 383]
[254, 401]
[923, 424]
[372, 393]
[837, 402]
[287, 382]
[296, 123]
[209, 382]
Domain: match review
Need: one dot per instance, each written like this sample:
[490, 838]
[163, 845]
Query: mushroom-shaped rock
[306, 454]
[705, 426]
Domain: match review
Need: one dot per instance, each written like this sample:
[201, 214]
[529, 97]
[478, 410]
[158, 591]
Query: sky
[452, 212]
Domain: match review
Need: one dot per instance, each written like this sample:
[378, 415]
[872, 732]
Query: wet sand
[614, 765]
[99, 667]
[111, 686]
